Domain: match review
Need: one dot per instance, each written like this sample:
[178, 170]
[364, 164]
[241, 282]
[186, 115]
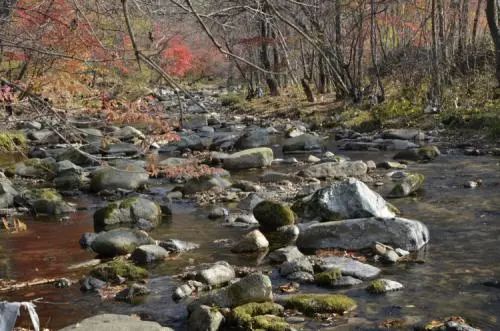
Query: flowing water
[463, 252]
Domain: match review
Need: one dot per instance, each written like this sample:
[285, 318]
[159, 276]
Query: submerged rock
[349, 267]
[382, 285]
[120, 242]
[424, 154]
[127, 178]
[113, 322]
[356, 234]
[273, 215]
[346, 199]
[336, 170]
[408, 185]
[249, 158]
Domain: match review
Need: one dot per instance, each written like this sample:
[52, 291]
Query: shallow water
[464, 251]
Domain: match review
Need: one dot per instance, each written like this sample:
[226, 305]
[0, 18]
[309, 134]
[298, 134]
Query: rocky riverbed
[333, 230]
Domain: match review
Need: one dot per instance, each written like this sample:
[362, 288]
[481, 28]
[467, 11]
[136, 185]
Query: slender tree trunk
[492, 17]
[307, 90]
[266, 63]
[476, 22]
[373, 44]
[435, 89]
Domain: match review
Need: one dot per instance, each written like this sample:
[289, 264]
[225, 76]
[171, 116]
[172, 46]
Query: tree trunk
[492, 17]
[264, 54]
[307, 90]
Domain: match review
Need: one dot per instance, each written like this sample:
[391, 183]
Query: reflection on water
[465, 236]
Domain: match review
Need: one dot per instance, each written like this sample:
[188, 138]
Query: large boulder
[302, 143]
[345, 199]
[128, 211]
[356, 234]
[47, 201]
[273, 215]
[253, 138]
[130, 177]
[120, 242]
[336, 170]
[249, 158]
[112, 322]
[252, 288]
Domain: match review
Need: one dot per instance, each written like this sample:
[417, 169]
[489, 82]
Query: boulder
[300, 264]
[114, 271]
[356, 234]
[408, 185]
[336, 170]
[249, 158]
[302, 143]
[423, 154]
[127, 212]
[204, 318]
[253, 138]
[120, 242]
[113, 322]
[35, 168]
[47, 201]
[220, 273]
[345, 199]
[348, 267]
[252, 288]
[285, 254]
[192, 122]
[205, 183]
[178, 246]
[7, 193]
[251, 242]
[127, 178]
[404, 134]
[149, 253]
[272, 215]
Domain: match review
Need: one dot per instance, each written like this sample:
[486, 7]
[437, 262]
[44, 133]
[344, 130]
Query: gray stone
[301, 277]
[220, 273]
[250, 202]
[113, 322]
[285, 254]
[67, 167]
[194, 121]
[251, 242]
[250, 158]
[78, 157]
[204, 318]
[205, 183]
[346, 199]
[149, 253]
[383, 285]
[218, 212]
[47, 201]
[346, 281]
[44, 136]
[253, 138]
[122, 149]
[349, 267]
[302, 143]
[120, 242]
[362, 233]
[336, 170]
[299, 264]
[128, 133]
[425, 154]
[127, 178]
[177, 246]
[404, 134]
[408, 185]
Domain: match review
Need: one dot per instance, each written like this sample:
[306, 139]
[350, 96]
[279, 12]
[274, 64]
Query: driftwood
[12, 285]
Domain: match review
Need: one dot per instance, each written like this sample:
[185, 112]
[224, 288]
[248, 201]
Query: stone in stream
[273, 215]
[258, 316]
[34, 168]
[191, 122]
[404, 134]
[90, 283]
[205, 183]
[383, 285]
[423, 154]
[285, 254]
[113, 322]
[256, 137]
[178, 246]
[276, 177]
[361, 233]
[251, 242]
[348, 267]
[299, 264]
[44, 136]
[7, 193]
[122, 149]
[148, 254]
[186, 141]
[220, 273]
[252, 288]
[204, 318]
[391, 165]
[250, 202]
[46, 201]
[408, 185]
[128, 178]
[120, 242]
[302, 143]
[127, 212]
[250, 158]
[217, 213]
[132, 293]
[73, 155]
[312, 304]
[336, 170]
[116, 270]
[346, 199]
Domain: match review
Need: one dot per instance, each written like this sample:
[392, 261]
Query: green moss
[376, 287]
[48, 194]
[269, 323]
[428, 152]
[127, 203]
[327, 278]
[412, 182]
[244, 316]
[12, 141]
[110, 271]
[231, 99]
[41, 164]
[310, 304]
[272, 215]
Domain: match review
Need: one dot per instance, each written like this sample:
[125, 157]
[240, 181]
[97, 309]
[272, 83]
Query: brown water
[463, 252]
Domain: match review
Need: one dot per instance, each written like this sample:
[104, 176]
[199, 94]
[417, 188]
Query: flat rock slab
[113, 322]
[349, 267]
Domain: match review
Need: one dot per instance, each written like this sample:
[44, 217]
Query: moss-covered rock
[327, 278]
[310, 304]
[12, 141]
[250, 158]
[410, 184]
[422, 154]
[270, 323]
[47, 201]
[120, 242]
[34, 168]
[129, 177]
[376, 287]
[253, 316]
[272, 215]
[112, 270]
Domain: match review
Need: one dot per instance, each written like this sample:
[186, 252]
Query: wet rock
[258, 316]
[302, 143]
[404, 134]
[356, 234]
[250, 158]
[285, 254]
[129, 178]
[424, 154]
[127, 212]
[345, 281]
[492, 283]
[225, 140]
[251, 242]
[252, 288]
[205, 183]
[218, 212]
[299, 264]
[348, 267]
[247, 186]
[43, 136]
[336, 170]
[74, 156]
[112, 322]
[47, 201]
[187, 141]
[312, 304]
[30, 125]
[91, 135]
[178, 246]
[391, 165]
[86, 239]
[35, 168]
[7, 193]
[191, 122]
[146, 254]
[272, 215]
[313, 159]
[253, 138]
[121, 149]
[283, 236]
[371, 165]
[90, 283]
[241, 219]
[120, 242]
[114, 271]
[382, 285]
[301, 277]
[220, 273]
[346, 199]
[204, 318]
[250, 202]
[132, 293]
[408, 185]
[471, 184]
